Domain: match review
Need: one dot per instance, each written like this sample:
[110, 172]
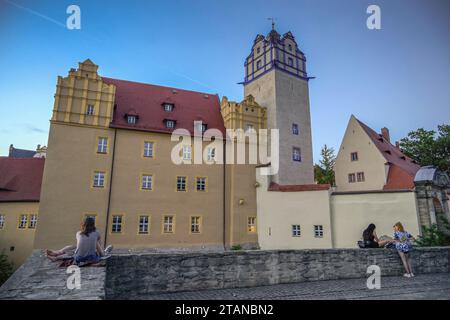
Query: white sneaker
[411, 274]
[108, 249]
[407, 275]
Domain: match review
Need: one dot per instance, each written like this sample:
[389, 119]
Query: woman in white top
[88, 248]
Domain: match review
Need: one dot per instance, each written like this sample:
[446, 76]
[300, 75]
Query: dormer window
[131, 119]
[290, 47]
[170, 124]
[202, 127]
[168, 107]
[258, 50]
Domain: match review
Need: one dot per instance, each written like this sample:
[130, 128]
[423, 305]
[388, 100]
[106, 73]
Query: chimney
[397, 144]
[11, 147]
[385, 134]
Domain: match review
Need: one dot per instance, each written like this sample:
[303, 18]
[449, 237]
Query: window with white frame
[354, 156]
[92, 216]
[99, 179]
[148, 149]
[90, 110]
[201, 183]
[296, 154]
[102, 146]
[201, 127]
[170, 124]
[249, 127]
[168, 107]
[318, 231]
[168, 224]
[181, 183]
[296, 231]
[211, 154]
[147, 182]
[131, 119]
[23, 219]
[251, 224]
[33, 221]
[144, 224]
[295, 128]
[116, 224]
[2, 221]
[360, 176]
[187, 153]
[351, 178]
[195, 224]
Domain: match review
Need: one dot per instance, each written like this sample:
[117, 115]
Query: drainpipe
[224, 193]
[110, 187]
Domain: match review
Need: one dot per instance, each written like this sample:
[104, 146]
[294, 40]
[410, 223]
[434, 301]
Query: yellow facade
[83, 152]
[370, 161]
[16, 240]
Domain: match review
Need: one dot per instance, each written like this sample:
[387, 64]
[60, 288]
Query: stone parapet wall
[138, 275]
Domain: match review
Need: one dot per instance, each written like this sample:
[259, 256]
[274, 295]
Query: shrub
[236, 247]
[433, 237]
[6, 268]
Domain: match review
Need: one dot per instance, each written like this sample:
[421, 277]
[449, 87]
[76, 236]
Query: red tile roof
[146, 101]
[20, 179]
[298, 187]
[402, 169]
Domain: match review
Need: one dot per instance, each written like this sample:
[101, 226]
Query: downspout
[110, 187]
[224, 193]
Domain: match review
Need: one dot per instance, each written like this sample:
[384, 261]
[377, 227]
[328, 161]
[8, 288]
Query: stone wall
[137, 275]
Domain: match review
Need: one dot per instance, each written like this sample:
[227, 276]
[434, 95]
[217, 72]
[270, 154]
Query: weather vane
[273, 22]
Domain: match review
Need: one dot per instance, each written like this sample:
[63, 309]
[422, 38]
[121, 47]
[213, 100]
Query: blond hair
[399, 226]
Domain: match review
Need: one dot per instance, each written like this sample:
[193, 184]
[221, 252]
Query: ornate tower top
[275, 52]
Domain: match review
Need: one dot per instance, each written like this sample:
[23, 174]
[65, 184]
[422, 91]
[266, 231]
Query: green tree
[428, 147]
[6, 268]
[323, 171]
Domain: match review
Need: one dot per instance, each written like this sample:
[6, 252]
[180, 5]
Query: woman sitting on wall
[88, 248]
[371, 240]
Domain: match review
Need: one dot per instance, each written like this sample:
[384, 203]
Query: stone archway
[439, 211]
[431, 187]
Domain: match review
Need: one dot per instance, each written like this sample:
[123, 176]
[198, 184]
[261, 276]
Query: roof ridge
[161, 86]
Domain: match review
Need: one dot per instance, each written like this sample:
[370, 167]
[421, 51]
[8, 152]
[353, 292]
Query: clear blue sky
[397, 77]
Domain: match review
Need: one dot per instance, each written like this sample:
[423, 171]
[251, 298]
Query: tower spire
[273, 22]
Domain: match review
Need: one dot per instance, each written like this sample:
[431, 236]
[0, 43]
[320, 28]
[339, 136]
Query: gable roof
[146, 102]
[20, 179]
[21, 153]
[402, 169]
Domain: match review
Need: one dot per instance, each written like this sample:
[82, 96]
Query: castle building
[111, 150]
